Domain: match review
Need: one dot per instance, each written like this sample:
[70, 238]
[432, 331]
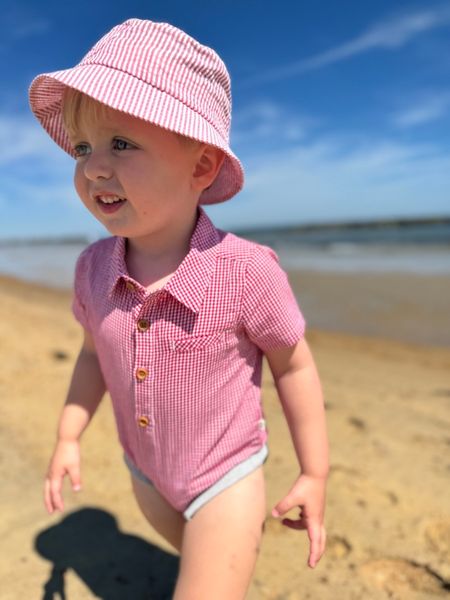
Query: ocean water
[50, 264]
[345, 257]
[422, 249]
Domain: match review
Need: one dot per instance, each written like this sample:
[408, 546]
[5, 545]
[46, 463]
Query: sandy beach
[382, 346]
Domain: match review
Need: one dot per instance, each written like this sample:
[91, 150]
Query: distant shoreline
[256, 232]
[77, 240]
[347, 225]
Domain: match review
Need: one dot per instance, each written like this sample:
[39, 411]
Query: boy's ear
[207, 167]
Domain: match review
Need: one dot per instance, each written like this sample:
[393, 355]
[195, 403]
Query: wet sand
[388, 407]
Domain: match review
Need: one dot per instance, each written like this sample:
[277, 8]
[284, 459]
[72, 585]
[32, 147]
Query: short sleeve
[270, 313]
[80, 290]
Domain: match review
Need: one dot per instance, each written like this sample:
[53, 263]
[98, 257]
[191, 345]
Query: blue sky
[341, 110]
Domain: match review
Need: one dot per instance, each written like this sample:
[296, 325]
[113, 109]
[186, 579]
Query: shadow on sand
[112, 564]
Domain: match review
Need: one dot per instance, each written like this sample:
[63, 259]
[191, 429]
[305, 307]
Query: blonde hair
[80, 110]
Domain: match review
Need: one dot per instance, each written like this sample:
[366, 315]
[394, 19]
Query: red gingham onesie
[183, 364]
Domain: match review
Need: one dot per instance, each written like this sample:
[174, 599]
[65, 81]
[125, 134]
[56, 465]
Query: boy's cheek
[81, 188]
[77, 181]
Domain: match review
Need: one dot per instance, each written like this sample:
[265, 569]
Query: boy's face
[134, 177]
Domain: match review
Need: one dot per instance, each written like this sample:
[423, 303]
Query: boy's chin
[116, 229]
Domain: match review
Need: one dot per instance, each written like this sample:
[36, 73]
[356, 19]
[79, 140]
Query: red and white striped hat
[158, 73]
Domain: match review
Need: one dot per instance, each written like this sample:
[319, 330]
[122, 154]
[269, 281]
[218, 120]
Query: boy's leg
[221, 542]
[162, 517]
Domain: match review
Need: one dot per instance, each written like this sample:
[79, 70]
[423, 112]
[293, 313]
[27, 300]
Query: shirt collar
[117, 266]
[191, 279]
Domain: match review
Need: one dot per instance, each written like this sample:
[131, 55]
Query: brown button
[130, 286]
[143, 324]
[143, 421]
[141, 373]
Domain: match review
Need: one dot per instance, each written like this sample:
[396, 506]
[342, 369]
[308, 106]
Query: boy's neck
[150, 262]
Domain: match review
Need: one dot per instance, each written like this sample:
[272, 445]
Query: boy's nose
[97, 166]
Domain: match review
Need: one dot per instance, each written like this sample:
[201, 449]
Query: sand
[387, 399]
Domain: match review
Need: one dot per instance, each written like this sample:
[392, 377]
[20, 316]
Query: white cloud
[27, 149]
[433, 107]
[386, 35]
[264, 120]
[34, 171]
[22, 139]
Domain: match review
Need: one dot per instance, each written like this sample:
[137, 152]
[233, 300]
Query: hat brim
[128, 94]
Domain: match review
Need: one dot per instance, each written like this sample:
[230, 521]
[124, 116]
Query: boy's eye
[119, 144]
[80, 150]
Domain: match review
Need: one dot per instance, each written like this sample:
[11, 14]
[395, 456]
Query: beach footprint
[361, 487]
[437, 535]
[338, 547]
[339, 470]
[399, 578]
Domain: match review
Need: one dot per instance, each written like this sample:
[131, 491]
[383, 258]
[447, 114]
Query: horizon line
[86, 238]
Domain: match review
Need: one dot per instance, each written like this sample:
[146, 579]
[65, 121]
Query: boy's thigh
[159, 513]
[221, 542]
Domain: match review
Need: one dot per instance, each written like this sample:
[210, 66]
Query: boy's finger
[47, 499]
[284, 506]
[55, 493]
[323, 540]
[75, 478]
[315, 537]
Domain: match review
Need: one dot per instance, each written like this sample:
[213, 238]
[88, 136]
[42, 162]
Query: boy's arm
[300, 393]
[86, 390]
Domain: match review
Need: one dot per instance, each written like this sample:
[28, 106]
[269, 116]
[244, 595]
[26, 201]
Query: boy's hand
[308, 493]
[65, 461]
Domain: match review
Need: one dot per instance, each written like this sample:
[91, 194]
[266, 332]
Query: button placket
[142, 398]
[143, 388]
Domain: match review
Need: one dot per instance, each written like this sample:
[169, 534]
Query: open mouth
[109, 204]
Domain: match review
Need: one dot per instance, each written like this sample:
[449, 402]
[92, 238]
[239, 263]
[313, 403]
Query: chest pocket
[199, 343]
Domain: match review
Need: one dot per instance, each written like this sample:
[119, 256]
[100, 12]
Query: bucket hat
[158, 73]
